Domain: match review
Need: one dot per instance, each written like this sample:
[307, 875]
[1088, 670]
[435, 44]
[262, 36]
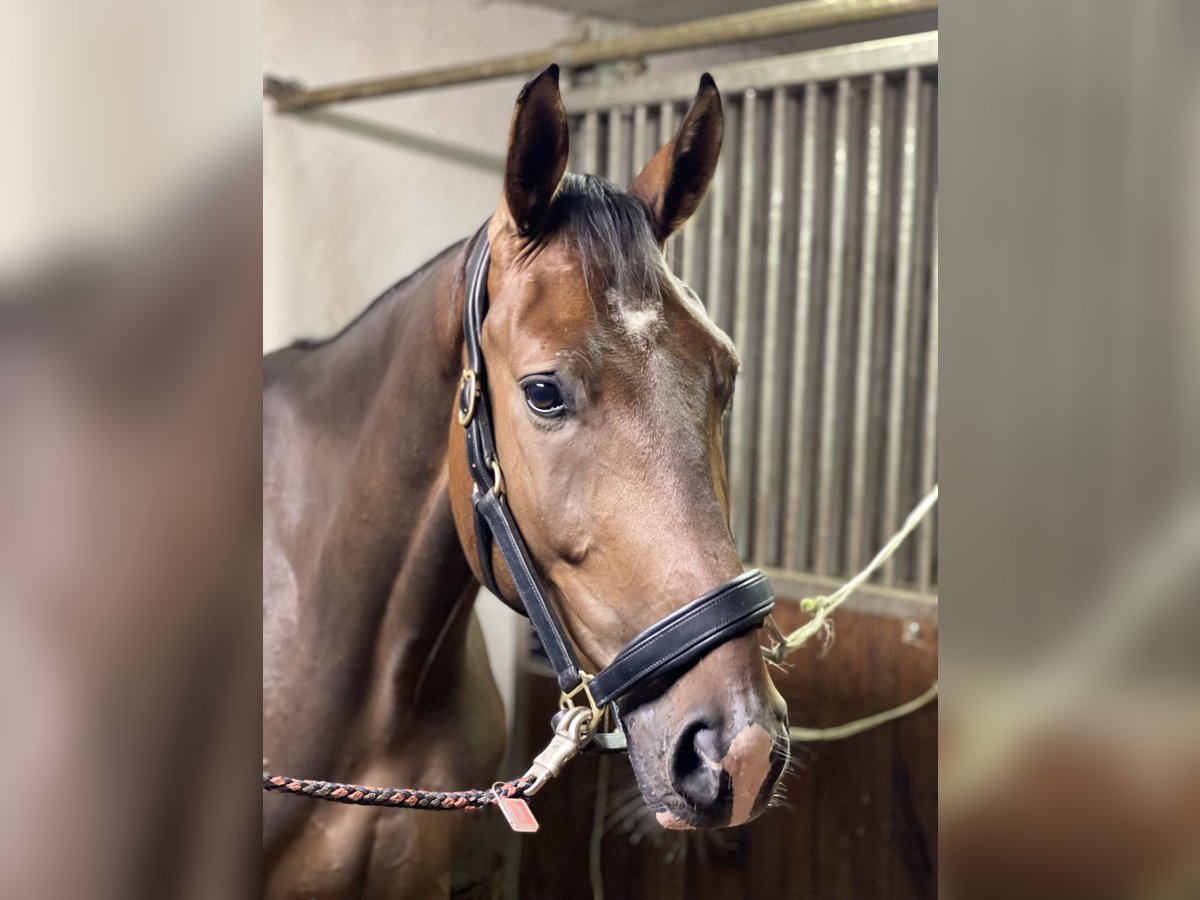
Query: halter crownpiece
[665, 648]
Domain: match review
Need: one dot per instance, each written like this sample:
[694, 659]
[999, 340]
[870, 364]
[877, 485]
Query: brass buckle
[566, 700]
[469, 378]
[600, 723]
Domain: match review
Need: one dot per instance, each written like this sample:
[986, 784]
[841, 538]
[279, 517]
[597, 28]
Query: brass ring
[468, 379]
[566, 699]
[498, 487]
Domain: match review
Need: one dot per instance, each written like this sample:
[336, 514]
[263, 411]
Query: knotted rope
[821, 607]
[410, 798]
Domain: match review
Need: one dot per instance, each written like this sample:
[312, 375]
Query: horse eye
[544, 398]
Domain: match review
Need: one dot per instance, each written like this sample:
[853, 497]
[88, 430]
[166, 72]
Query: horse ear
[537, 152]
[674, 181]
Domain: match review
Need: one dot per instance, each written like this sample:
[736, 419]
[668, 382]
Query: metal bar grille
[747, 318]
[774, 374]
[858, 514]
[927, 533]
[816, 250]
[667, 123]
[797, 524]
[721, 206]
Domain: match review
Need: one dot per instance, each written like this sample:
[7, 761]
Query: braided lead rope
[412, 798]
[570, 734]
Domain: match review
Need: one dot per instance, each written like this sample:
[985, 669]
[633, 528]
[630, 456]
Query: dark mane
[610, 228]
[613, 233]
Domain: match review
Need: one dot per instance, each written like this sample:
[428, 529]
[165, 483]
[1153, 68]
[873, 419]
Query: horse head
[608, 386]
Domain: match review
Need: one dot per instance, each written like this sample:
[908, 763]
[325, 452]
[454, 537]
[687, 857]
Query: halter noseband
[671, 644]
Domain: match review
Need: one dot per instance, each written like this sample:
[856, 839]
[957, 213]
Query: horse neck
[392, 550]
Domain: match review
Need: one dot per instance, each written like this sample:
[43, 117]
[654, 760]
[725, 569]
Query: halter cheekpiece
[665, 648]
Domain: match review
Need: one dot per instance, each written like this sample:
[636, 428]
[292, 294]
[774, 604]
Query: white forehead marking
[642, 318]
[640, 323]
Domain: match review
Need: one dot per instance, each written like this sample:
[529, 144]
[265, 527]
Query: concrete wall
[349, 212]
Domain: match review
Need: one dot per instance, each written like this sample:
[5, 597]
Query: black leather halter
[667, 647]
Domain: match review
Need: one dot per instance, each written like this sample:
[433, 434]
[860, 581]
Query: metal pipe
[926, 533]
[641, 123]
[857, 527]
[768, 477]
[831, 397]
[591, 142]
[618, 147]
[800, 490]
[893, 499]
[720, 234]
[746, 313]
[729, 29]
[666, 131]
[902, 561]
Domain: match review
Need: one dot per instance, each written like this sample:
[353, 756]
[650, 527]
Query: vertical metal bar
[827, 465]
[860, 432]
[745, 398]
[717, 296]
[926, 531]
[873, 531]
[904, 561]
[902, 298]
[692, 244]
[666, 122]
[666, 131]
[618, 146]
[795, 519]
[695, 243]
[575, 150]
[768, 478]
[590, 161]
[638, 157]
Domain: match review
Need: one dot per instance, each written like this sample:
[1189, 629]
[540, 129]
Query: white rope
[822, 606]
[858, 726]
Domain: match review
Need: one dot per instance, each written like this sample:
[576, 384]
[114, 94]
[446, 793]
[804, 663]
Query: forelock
[614, 237]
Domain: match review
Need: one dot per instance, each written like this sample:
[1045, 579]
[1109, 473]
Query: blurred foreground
[130, 261]
[129, 560]
[1070, 454]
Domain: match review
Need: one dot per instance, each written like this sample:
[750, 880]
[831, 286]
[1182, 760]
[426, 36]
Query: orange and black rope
[409, 798]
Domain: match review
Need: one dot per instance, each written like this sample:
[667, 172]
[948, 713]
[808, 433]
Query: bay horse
[608, 386]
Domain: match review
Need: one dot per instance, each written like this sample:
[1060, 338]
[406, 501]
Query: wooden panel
[861, 814]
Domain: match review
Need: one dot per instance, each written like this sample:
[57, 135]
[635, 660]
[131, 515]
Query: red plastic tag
[517, 812]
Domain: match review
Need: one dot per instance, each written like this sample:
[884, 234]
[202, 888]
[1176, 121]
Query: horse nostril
[696, 773]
